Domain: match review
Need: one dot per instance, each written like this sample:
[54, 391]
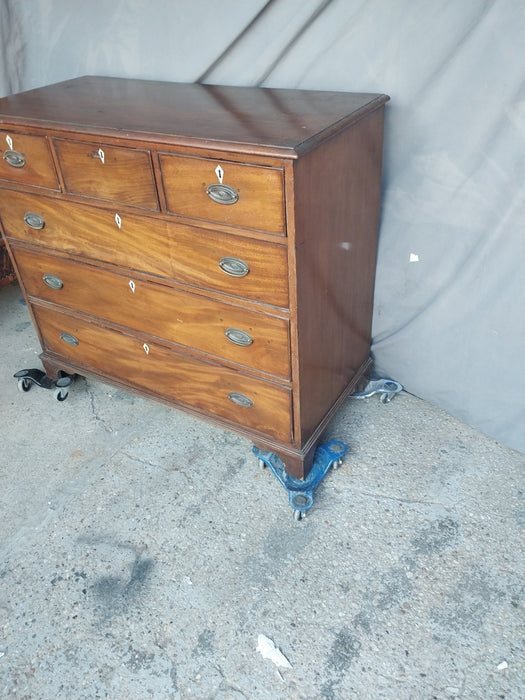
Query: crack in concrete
[94, 411]
[414, 501]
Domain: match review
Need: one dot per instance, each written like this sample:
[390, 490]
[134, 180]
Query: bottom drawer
[208, 387]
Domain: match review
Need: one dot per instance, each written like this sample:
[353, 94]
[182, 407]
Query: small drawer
[26, 159]
[114, 174]
[235, 265]
[228, 193]
[243, 336]
[203, 386]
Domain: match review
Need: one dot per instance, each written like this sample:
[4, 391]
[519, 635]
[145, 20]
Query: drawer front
[247, 337]
[187, 254]
[111, 173]
[223, 392]
[27, 160]
[241, 195]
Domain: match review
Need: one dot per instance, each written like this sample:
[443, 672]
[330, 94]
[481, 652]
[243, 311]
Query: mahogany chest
[210, 247]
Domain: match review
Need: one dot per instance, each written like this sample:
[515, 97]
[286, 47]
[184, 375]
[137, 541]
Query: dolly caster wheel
[27, 377]
[24, 384]
[61, 394]
[61, 391]
[300, 503]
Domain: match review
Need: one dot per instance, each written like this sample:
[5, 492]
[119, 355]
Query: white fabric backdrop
[451, 326]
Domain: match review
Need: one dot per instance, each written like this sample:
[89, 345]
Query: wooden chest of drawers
[211, 247]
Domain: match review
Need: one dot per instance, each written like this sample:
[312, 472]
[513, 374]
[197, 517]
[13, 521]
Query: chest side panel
[337, 190]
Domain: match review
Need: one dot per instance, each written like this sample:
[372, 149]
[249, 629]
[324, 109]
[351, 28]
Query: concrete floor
[143, 552]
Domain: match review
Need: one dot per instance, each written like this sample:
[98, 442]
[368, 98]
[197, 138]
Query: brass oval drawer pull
[34, 221]
[15, 159]
[69, 339]
[240, 399]
[234, 267]
[222, 194]
[238, 337]
[53, 281]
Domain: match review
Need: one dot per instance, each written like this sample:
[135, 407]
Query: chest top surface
[290, 121]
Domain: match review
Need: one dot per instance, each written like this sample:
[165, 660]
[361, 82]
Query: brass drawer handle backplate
[238, 337]
[15, 159]
[240, 399]
[34, 221]
[69, 339]
[53, 281]
[234, 267]
[222, 194]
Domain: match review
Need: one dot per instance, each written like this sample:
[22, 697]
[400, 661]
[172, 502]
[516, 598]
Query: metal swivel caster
[27, 377]
[24, 384]
[386, 388]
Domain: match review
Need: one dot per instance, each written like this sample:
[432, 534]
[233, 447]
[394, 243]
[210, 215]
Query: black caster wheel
[24, 384]
[61, 394]
[61, 391]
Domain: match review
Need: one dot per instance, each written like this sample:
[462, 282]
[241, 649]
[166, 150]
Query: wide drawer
[230, 193]
[207, 387]
[112, 173]
[235, 265]
[27, 159]
[247, 337]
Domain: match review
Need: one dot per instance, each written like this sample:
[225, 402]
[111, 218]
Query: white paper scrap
[268, 650]
[502, 666]
[413, 257]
